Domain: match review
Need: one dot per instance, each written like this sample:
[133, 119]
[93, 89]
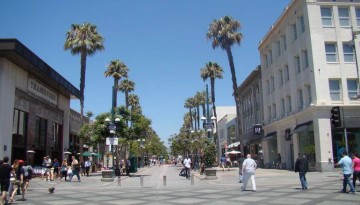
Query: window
[297, 64]
[269, 110]
[302, 24]
[352, 88]
[306, 59]
[326, 16]
[278, 48]
[274, 112]
[19, 133]
[56, 131]
[348, 53]
[284, 42]
[357, 11]
[294, 31]
[289, 108]
[344, 18]
[281, 81]
[268, 86]
[334, 87]
[287, 75]
[40, 132]
[282, 107]
[266, 61]
[309, 98]
[300, 100]
[270, 57]
[272, 83]
[331, 55]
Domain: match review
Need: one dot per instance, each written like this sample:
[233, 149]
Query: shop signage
[42, 91]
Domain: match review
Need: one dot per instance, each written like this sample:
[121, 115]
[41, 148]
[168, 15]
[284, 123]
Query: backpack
[27, 171]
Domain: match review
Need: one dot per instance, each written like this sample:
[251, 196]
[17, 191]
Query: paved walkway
[149, 187]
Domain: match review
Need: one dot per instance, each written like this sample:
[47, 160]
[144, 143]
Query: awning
[301, 127]
[269, 136]
[235, 144]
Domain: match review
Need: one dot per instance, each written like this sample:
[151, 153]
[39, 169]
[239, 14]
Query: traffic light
[335, 116]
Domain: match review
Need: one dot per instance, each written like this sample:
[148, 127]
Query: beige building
[308, 66]
[35, 106]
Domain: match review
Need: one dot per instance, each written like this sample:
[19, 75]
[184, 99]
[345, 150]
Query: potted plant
[209, 160]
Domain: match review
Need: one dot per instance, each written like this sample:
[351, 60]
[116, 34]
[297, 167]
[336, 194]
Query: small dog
[51, 190]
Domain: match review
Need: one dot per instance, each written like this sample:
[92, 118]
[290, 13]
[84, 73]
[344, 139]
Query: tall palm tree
[117, 69]
[126, 86]
[85, 40]
[189, 104]
[223, 33]
[134, 102]
[211, 71]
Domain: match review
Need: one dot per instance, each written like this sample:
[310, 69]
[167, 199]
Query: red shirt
[356, 163]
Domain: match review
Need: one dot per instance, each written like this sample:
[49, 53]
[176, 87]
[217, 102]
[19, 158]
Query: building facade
[35, 105]
[309, 64]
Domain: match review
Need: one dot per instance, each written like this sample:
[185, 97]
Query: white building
[308, 66]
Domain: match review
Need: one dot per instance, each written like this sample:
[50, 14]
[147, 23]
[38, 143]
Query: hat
[21, 161]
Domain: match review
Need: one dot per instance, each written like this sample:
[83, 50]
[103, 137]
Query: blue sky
[161, 41]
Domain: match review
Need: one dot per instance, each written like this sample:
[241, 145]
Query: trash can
[133, 164]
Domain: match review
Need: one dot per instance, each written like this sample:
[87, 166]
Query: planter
[107, 175]
[210, 174]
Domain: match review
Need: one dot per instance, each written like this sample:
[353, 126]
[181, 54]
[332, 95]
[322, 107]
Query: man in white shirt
[248, 170]
[87, 166]
[187, 164]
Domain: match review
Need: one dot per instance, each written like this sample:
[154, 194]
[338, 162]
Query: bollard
[141, 180]
[192, 179]
[164, 180]
[119, 181]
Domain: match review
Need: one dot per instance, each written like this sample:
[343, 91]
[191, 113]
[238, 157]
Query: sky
[162, 42]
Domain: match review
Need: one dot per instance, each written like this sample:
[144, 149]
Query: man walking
[346, 164]
[87, 166]
[187, 164]
[302, 166]
[5, 170]
[75, 168]
[248, 169]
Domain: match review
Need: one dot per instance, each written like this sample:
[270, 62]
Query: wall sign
[42, 91]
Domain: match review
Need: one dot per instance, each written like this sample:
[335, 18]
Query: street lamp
[141, 143]
[113, 140]
[208, 123]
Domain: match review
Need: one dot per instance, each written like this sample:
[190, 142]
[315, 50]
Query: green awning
[86, 154]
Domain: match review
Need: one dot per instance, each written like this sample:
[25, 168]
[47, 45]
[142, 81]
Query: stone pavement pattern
[273, 187]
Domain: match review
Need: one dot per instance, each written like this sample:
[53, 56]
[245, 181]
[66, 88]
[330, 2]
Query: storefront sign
[41, 91]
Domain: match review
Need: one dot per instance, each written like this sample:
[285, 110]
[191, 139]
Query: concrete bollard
[141, 180]
[192, 179]
[164, 180]
[119, 181]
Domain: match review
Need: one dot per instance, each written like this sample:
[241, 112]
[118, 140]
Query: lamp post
[141, 144]
[208, 122]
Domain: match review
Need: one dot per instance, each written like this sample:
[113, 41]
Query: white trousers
[246, 177]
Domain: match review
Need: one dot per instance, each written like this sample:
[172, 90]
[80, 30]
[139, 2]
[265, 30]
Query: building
[251, 114]
[35, 105]
[226, 128]
[308, 66]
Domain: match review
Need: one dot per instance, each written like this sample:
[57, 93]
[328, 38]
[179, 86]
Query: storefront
[35, 106]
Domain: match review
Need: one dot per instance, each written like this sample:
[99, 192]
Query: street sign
[257, 129]
[112, 141]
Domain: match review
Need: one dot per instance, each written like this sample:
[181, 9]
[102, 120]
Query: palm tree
[126, 86]
[117, 69]
[212, 70]
[189, 104]
[134, 102]
[223, 33]
[85, 40]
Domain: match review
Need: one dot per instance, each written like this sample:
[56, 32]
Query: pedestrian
[28, 170]
[346, 164]
[187, 165]
[20, 181]
[48, 166]
[228, 162]
[241, 161]
[302, 166]
[56, 168]
[63, 172]
[82, 168]
[75, 168]
[5, 172]
[248, 169]
[356, 168]
[278, 161]
[223, 161]
[87, 166]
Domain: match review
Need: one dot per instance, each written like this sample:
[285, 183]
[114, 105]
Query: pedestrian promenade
[148, 186]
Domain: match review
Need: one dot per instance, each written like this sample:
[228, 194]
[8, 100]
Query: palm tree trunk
[203, 110]
[236, 97]
[212, 81]
[198, 116]
[82, 91]
[192, 126]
